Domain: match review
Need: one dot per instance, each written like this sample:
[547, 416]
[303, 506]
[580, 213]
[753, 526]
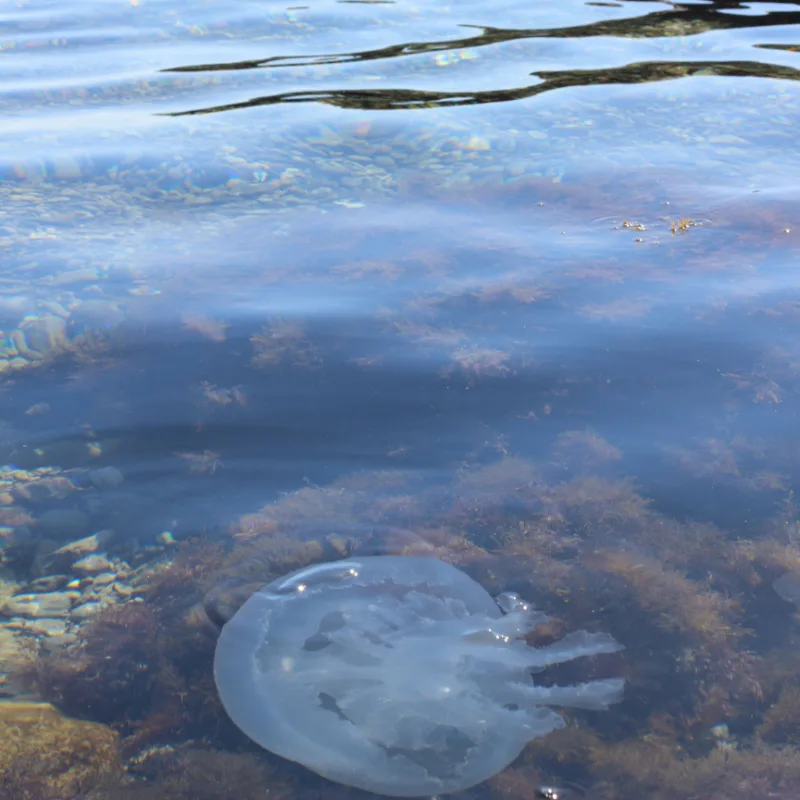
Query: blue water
[251, 247]
[461, 210]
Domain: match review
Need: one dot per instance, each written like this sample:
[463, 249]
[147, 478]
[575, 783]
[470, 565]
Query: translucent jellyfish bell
[398, 675]
[788, 586]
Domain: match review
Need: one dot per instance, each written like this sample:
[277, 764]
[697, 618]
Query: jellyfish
[788, 586]
[399, 675]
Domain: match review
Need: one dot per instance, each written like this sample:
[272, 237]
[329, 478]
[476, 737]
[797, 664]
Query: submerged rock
[225, 599]
[44, 604]
[44, 754]
[64, 557]
[92, 564]
[399, 675]
[86, 610]
[48, 583]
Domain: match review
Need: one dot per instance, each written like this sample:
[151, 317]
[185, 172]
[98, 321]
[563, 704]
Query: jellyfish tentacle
[573, 645]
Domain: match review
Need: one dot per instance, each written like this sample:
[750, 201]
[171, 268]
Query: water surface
[250, 248]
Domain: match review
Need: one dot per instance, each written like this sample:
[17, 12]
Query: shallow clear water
[251, 247]
[457, 210]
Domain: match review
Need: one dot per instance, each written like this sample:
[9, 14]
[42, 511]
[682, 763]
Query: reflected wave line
[394, 99]
[680, 22]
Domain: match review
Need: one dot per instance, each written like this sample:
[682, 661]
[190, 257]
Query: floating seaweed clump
[282, 342]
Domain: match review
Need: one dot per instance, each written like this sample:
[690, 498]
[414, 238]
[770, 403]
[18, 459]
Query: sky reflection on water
[247, 251]
[635, 241]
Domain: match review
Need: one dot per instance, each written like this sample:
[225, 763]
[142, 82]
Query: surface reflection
[398, 295]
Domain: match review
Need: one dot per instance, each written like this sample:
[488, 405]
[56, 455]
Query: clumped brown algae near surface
[710, 704]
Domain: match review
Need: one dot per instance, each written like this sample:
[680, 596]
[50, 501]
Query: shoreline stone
[95, 563]
[45, 604]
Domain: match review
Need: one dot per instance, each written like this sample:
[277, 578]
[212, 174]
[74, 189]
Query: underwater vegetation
[283, 343]
[711, 702]
[45, 755]
[711, 705]
[198, 773]
[131, 667]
